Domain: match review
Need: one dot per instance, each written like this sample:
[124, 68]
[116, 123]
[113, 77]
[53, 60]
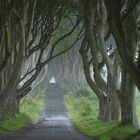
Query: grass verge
[89, 124]
[30, 110]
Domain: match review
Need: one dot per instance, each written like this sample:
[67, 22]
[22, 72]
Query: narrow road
[55, 122]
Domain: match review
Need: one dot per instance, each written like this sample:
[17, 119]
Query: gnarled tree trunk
[127, 100]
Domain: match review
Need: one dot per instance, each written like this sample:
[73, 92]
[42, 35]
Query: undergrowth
[88, 122]
[30, 109]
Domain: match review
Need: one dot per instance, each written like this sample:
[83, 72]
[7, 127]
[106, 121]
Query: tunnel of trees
[79, 40]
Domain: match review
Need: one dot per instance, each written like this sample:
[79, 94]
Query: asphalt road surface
[54, 124]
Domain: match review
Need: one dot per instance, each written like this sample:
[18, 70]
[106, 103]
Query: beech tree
[101, 17]
[27, 31]
[94, 37]
[35, 32]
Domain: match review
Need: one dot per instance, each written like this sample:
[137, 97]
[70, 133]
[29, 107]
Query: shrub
[90, 125]
[84, 106]
[82, 92]
[30, 110]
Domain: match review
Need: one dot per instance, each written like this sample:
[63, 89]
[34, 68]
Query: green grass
[30, 110]
[90, 125]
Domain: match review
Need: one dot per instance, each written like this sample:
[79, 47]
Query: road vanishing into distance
[54, 124]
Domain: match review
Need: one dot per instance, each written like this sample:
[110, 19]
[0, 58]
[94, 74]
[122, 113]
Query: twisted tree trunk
[12, 83]
[127, 100]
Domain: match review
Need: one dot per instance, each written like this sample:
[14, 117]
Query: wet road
[54, 124]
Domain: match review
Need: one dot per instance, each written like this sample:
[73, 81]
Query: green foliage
[84, 106]
[82, 92]
[89, 124]
[85, 91]
[30, 110]
[16, 122]
[32, 105]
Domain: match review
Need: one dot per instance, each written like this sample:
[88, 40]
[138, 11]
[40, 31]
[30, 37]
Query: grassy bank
[30, 110]
[83, 107]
